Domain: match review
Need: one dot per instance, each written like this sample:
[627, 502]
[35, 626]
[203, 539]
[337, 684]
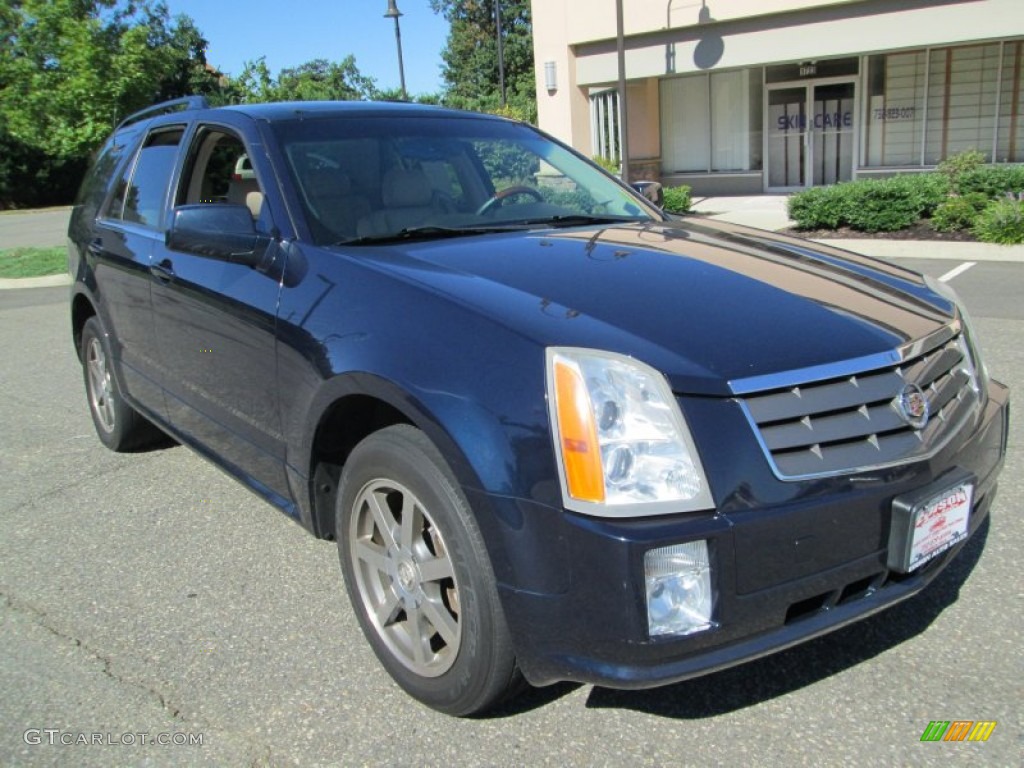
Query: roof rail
[184, 103]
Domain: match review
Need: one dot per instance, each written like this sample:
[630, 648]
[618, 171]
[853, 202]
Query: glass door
[811, 134]
[787, 137]
[832, 133]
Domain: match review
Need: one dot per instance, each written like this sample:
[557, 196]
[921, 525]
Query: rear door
[215, 323]
[121, 248]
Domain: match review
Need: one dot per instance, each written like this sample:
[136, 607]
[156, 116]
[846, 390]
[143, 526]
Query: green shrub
[924, 191]
[576, 199]
[993, 180]
[612, 166]
[955, 166]
[884, 205]
[818, 208]
[869, 205]
[1002, 221]
[677, 199]
[957, 213]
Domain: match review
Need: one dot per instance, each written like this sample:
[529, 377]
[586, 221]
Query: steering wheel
[498, 198]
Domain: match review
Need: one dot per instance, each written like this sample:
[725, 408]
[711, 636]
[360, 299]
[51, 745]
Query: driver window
[221, 171]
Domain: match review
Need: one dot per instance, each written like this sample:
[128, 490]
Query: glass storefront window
[711, 122]
[685, 124]
[962, 93]
[967, 105]
[604, 125]
[894, 123]
[1010, 145]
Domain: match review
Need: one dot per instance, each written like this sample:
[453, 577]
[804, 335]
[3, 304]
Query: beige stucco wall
[794, 39]
[579, 35]
[565, 111]
[595, 19]
[644, 120]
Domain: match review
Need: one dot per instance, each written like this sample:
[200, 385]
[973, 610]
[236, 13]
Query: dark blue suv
[557, 434]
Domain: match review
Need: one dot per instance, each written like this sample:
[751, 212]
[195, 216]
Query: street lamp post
[501, 50]
[620, 47]
[394, 13]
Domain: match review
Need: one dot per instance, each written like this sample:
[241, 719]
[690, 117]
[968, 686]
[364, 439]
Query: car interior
[221, 172]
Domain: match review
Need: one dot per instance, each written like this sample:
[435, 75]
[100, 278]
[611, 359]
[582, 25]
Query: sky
[293, 32]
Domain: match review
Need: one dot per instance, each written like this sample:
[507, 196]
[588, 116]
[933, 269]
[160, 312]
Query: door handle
[163, 270]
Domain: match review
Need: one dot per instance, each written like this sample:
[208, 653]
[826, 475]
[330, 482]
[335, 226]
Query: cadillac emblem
[912, 406]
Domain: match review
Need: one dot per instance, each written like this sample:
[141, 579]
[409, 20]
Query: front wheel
[418, 575]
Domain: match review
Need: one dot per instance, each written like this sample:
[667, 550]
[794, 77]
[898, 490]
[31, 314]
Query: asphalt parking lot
[148, 595]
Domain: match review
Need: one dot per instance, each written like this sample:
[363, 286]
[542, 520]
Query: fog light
[678, 581]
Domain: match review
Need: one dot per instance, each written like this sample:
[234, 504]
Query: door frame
[808, 145]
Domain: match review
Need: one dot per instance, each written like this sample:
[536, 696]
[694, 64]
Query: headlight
[622, 446]
[975, 364]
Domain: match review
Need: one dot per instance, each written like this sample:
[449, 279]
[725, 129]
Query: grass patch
[33, 262]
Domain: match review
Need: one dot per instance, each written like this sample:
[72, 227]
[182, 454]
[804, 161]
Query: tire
[418, 575]
[119, 426]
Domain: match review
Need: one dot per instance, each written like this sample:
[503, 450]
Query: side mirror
[651, 190]
[216, 231]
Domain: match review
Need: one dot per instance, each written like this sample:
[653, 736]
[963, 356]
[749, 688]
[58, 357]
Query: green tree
[323, 80]
[73, 67]
[254, 84]
[189, 72]
[316, 80]
[70, 69]
[470, 69]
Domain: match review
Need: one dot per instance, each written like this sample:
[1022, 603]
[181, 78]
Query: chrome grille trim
[850, 423]
[911, 350]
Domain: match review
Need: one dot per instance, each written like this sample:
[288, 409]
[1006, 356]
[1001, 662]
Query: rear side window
[96, 183]
[142, 190]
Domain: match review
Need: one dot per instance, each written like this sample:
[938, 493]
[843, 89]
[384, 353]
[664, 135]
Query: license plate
[926, 526]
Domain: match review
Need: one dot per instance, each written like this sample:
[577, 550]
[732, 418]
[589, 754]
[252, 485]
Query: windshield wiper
[579, 220]
[427, 233]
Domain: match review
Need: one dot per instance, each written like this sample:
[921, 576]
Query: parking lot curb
[49, 281]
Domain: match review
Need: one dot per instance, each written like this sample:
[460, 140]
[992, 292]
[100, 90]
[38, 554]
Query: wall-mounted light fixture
[551, 76]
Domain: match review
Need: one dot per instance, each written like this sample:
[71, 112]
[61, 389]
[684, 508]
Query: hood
[706, 303]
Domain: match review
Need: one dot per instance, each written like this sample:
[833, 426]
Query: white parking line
[957, 271]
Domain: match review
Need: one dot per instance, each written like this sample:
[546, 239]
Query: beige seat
[331, 200]
[246, 192]
[408, 201]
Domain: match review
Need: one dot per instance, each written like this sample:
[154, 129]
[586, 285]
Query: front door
[215, 325]
[810, 135]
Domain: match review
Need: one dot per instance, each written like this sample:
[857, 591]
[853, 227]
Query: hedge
[869, 205]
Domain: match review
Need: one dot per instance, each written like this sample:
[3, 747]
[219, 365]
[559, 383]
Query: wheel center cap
[406, 575]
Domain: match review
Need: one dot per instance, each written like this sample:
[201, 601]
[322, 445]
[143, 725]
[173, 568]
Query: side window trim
[115, 207]
[195, 178]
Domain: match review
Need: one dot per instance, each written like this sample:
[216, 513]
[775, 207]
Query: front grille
[853, 423]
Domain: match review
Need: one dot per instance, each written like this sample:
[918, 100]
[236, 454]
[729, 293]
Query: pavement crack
[42, 619]
[40, 499]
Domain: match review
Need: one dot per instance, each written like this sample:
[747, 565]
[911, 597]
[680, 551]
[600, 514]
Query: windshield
[374, 179]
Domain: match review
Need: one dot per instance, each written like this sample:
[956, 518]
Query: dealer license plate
[928, 528]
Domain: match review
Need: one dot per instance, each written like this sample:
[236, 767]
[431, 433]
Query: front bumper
[573, 589]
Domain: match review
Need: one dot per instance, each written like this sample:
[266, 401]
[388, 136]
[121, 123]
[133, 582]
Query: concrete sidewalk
[49, 281]
[762, 211]
[769, 212]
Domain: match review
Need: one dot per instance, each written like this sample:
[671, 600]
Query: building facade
[749, 96]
